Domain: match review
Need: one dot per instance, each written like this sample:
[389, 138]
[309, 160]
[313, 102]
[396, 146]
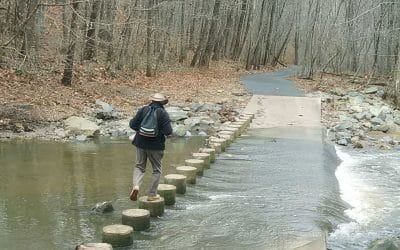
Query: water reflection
[47, 189]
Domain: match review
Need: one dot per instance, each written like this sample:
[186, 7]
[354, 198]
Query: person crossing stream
[279, 185]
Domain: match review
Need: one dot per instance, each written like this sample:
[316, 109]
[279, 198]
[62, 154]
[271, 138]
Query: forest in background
[352, 37]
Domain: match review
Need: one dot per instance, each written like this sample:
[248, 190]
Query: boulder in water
[103, 207]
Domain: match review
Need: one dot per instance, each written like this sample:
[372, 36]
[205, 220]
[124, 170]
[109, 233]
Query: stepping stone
[189, 172]
[249, 118]
[156, 207]
[94, 246]
[228, 139]
[216, 146]
[235, 129]
[198, 164]
[118, 235]
[210, 151]
[230, 134]
[168, 192]
[223, 142]
[203, 156]
[139, 219]
[178, 180]
[242, 125]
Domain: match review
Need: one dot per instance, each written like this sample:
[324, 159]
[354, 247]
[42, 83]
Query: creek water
[265, 192]
[47, 189]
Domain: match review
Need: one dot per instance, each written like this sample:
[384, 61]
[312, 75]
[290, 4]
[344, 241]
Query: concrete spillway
[293, 117]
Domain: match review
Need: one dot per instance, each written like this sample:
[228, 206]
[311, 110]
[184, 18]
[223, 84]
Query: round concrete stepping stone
[242, 125]
[221, 141]
[236, 126]
[189, 172]
[156, 208]
[242, 121]
[139, 219]
[235, 130]
[94, 246]
[206, 157]
[249, 118]
[177, 180]
[168, 192]
[228, 139]
[231, 134]
[118, 235]
[197, 163]
[216, 146]
[210, 151]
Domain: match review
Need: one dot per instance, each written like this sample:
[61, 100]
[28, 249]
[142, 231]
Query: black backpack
[149, 124]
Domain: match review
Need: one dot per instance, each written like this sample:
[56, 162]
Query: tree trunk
[270, 28]
[69, 61]
[182, 51]
[203, 37]
[125, 38]
[394, 88]
[29, 29]
[90, 46]
[236, 49]
[255, 56]
[110, 16]
[226, 38]
[206, 56]
[149, 32]
[65, 33]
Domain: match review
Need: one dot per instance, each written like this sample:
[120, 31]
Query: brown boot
[134, 194]
[153, 198]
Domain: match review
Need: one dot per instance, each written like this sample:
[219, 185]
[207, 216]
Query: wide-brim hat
[158, 97]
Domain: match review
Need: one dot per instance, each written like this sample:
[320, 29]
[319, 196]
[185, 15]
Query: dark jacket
[164, 128]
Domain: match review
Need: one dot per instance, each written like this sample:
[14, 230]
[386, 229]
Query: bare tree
[69, 61]
[203, 37]
[149, 33]
[183, 47]
[90, 46]
[238, 38]
[356, 37]
[206, 55]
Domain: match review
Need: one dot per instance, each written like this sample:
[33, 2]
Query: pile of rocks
[200, 119]
[361, 118]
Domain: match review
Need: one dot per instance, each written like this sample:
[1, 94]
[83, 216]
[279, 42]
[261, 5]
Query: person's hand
[172, 136]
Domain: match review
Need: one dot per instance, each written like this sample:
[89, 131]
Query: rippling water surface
[47, 189]
[265, 192]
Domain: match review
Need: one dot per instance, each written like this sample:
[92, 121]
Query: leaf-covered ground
[40, 98]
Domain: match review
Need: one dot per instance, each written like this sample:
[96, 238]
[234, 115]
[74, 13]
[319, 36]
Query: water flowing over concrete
[284, 115]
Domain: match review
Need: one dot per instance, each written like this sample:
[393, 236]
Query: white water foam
[366, 185]
[353, 189]
[351, 193]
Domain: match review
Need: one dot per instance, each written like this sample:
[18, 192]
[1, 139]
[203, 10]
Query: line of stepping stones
[121, 235]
